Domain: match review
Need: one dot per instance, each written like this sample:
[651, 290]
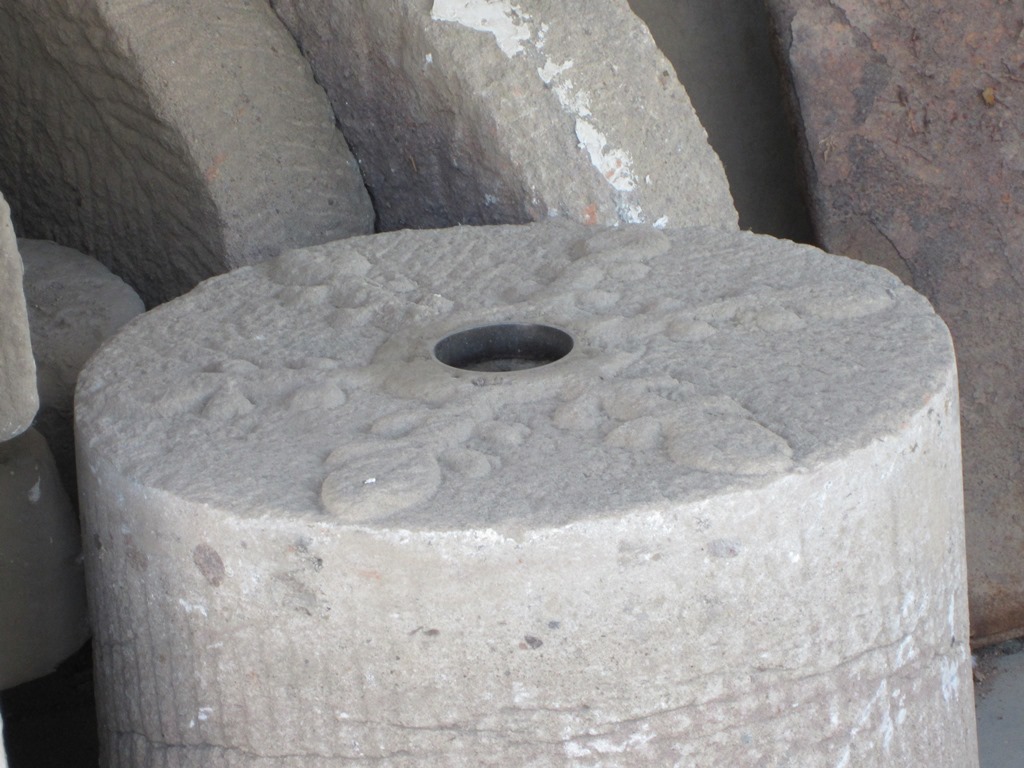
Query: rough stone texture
[74, 305]
[18, 397]
[916, 155]
[43, 597]
[172, 141]
[493, 111]
[722, 52]
[726, 529]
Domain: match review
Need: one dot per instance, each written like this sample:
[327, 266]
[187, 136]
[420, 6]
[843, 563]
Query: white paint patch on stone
[498, 17]
[34, 493]
[576, 103]
[509, 26]
[192, 608]
[908, 603]
[572, 749]
[888, 730]
[550, 70]
[614, 164]
[950, 679]
[631, 213]
[906, 651]
[606, 746]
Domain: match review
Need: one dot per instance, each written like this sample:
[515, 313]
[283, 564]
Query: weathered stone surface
[916, 154]
[43, 597]
[725, 529]
[74, 305]
[492, 111]
[172, 141]
[18, 397]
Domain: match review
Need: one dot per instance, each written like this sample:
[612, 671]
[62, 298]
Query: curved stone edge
[43, 597]
[908, 165]
[19, 398]
[839, 594]
[506, 112]
[74, 305]
[171, 141]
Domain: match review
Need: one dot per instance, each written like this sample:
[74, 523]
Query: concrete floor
[999, 702]
[50, 723]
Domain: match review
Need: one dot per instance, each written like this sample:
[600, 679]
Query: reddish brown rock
[911, 125]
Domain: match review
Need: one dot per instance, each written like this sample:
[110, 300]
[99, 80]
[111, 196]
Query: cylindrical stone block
[540, 495]
[74, 305]
[43, 616]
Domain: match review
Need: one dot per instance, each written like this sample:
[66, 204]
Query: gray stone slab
[725, 525]
[43, 595]
[493, 111]
[19, 399]
[74, 305]
[172, 141]
[914, 156]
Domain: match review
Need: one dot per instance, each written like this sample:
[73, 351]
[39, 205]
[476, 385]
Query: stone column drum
[530, 496]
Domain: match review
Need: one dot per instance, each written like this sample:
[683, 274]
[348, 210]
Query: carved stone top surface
[703, 362]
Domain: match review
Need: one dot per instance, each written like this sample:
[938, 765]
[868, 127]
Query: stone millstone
[915, 153]
[42, 602]
[493, 111]
[19, 399]
[74, 305]
[725, 526]
[172, 141]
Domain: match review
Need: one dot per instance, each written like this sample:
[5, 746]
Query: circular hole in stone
[504, 347]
